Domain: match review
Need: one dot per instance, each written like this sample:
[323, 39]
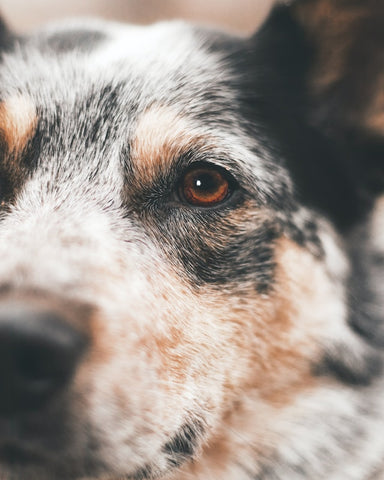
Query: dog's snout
[39, 351]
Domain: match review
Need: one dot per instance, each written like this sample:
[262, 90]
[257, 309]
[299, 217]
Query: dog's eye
[205, 185]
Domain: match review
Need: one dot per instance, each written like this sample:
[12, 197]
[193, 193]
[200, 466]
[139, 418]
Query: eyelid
[194, 157]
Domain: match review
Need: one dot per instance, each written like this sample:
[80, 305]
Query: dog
[192, 248]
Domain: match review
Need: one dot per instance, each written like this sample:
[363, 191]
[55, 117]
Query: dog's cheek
[179, 356]
[282, 331]
[160, 368]
[297, 315]
[279, 337]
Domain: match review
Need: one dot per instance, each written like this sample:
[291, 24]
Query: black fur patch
[48, 140]
[215, 251]
[143, 473]
[306, 236]
[183, 445]
[241, 258]
[343, 365]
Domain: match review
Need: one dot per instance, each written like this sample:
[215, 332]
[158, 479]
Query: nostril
[39, 352]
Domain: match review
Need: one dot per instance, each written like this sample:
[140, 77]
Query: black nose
[39, 351]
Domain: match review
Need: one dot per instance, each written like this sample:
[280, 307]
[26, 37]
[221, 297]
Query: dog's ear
[346, 76]
[328, 59]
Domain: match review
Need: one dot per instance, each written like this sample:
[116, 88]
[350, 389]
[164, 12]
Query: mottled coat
[146, 333]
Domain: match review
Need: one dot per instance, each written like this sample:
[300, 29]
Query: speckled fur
[225, 343]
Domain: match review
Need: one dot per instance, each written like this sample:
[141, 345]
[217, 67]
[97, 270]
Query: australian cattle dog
[192, 249]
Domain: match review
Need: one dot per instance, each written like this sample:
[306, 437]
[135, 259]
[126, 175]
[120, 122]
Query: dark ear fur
[347, 70]
[327, 60]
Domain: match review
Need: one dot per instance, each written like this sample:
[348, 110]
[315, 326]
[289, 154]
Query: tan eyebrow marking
[161, 134]
[18, 121]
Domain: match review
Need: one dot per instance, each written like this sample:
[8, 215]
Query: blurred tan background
[236, 15]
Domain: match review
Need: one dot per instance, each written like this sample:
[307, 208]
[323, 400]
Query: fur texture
[238, 341]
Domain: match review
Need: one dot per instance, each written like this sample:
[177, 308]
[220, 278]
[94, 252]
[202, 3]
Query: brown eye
[205, 186]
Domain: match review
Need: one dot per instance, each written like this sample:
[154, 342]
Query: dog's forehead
[92, 82]
[166, 62]
[87, 91]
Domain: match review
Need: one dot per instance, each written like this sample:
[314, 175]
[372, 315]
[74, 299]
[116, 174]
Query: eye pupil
[205, 186]
[206, 182]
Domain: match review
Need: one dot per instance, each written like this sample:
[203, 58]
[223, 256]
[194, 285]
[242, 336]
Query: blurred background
[235, 15]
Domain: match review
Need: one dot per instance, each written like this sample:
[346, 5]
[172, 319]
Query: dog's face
[150, 214]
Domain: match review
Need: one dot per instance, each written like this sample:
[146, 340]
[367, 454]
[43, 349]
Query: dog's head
[175, 276]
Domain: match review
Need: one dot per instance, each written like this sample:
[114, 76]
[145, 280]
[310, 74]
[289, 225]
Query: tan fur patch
[17, 122]
[292, 319]
[374, 115]
[161, 135]
[281, 334]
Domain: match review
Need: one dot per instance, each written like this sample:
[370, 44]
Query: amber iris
[205, 186]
